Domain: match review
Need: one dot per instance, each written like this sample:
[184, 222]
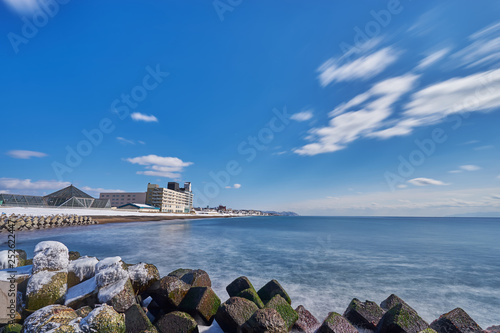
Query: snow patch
[86, 322]
[38, 280]
[6, 274]
[84, 267]
[139, 273]
[4, 259]
[50, 255]
[80, 290]
[107, 293]
[109, 271]
[40, 317]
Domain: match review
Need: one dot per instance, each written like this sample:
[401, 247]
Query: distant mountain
[282, 213]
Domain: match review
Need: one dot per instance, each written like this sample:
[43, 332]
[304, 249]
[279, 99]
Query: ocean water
[434, 264]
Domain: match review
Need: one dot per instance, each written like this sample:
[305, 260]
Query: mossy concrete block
[83, 311]
[401, 318]
[202, 304]
[193, 277]
[391, 302]
[13, 328]
[284, 309]
[103, 319]
[136, 319]
[456, 321]
[177, 322]
[306, 323]
[169, 291]
[234, 312]
[120, 301]
[271, 289]
[335, 323]
[73, 255]
[252, 295]
[364, 314]
[265, 320]
[143, 276]
[238, 285]
[46, 288]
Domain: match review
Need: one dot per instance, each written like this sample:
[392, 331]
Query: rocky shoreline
[22, 222]
[61, 291]
[15, 222]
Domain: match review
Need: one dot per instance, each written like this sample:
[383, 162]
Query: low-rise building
[121, 198]
[172, 199]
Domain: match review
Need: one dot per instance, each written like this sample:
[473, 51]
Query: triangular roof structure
[68, 193]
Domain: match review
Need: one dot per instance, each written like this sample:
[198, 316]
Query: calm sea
[435, 264]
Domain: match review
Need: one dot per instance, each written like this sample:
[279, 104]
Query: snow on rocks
[82, 294]
[50, 256]
[81, 269]
[4, 260]
[143, 276]
[51, 318]
[109, 271]
[103, 319]
[45, 288]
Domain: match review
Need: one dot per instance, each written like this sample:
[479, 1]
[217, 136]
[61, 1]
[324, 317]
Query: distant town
[156, 199]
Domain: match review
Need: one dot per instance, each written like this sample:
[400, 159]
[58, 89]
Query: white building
[119, 199]
[171, 199]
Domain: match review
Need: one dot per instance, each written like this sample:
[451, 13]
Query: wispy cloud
[414, 201]
[433, 58]
[363, 68]
[125, 141]
[28, 184]
[99, 190]
[25, 154]
[168, 167]
[137, 116]
[426, 181]
[371, 109]
[470, 167]
[484, 48]
[486, 147]
[23, 6]
[235, 186]
[302, 116]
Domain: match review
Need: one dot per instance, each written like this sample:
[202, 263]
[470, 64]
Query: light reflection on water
[435, 264]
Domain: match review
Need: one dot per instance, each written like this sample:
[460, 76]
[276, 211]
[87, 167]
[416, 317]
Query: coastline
[104, 219]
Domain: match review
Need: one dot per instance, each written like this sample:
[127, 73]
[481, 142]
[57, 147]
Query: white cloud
[470, 167]
[125, 141]
[4, 191]
[433, 58]
[347, 125]
[484, 147]
[302, 116]
[168, 167]
[23, 6]
[25, 154]
[27, 184]
[363, 68]
[484, 48]
[455, 171]
[100, 190]
[426, 181]
[477, 92]
[137, 116]
[413, 201]
[235, 186]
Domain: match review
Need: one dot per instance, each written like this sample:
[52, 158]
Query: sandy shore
[103, 219]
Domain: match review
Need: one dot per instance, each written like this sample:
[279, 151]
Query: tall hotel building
[173, 199]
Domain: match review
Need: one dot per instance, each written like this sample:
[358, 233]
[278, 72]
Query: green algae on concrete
[284, 309]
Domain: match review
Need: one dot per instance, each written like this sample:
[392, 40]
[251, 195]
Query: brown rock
[335, 323]
[233, 313]
[456, 321]
[306, 323]
[265, 320]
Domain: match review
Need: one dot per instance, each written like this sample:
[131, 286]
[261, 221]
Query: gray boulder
[335, 323]
[265, 320]
[456, 321]
[233, 313]
[271, 289]
[306, 323]
[364, 314]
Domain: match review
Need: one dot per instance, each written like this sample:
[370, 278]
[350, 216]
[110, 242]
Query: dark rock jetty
[61, 291]
[13, 222]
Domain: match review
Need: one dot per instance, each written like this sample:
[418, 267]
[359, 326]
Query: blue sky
[331, 108]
